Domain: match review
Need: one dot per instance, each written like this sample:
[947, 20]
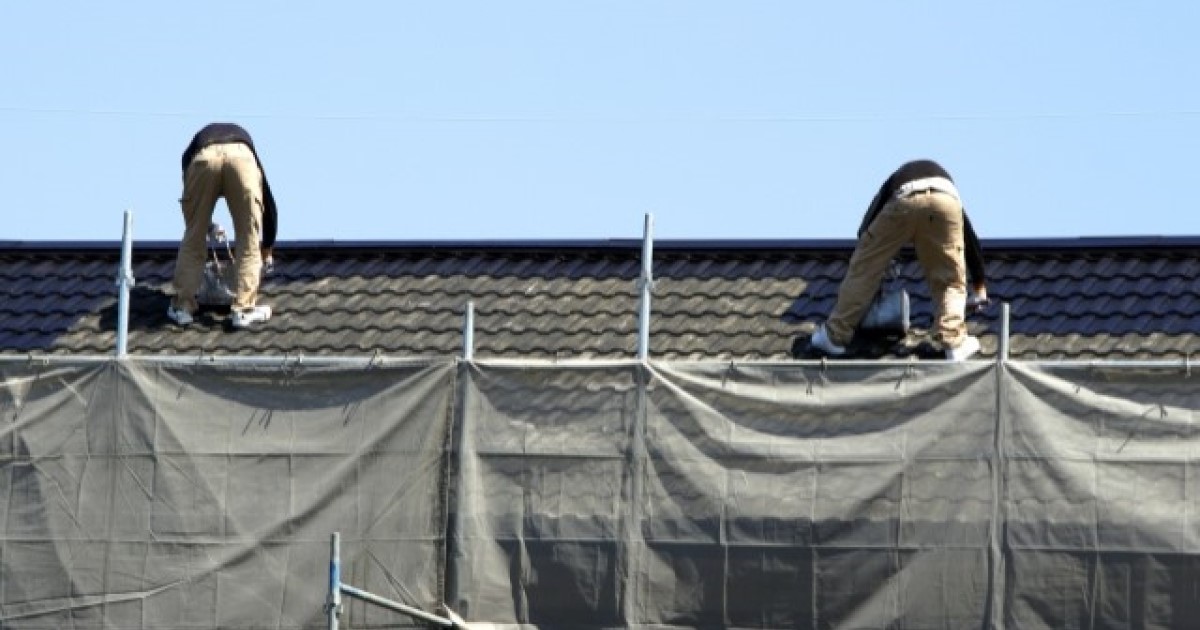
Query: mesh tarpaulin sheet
[147, 496]
[1102, 505]
[204, 497]
[924, 496]
[719, 495]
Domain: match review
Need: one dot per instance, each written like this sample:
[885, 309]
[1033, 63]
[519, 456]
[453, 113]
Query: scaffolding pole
[646, 284]
[1184, 363]
[1002, 350]
[468, 351]
[333, 598]
[125, 282]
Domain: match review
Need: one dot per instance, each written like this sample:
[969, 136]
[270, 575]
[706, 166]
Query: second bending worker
[221, 162]
[917, 204]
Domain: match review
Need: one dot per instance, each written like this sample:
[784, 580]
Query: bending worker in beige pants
[221, 162]
[918, 204]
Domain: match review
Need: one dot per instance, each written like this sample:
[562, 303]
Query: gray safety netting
[147, 495]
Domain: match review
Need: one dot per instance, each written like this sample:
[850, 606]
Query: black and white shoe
[245, 318]
[965, 350]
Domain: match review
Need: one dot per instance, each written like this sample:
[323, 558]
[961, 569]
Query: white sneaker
[965, 350]
[821, 341]
[179, 316]
[248, 317]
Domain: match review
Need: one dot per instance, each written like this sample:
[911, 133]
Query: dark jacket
[225, 133]
[920, 169]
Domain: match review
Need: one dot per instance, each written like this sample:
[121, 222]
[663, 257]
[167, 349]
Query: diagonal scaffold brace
[333, 599]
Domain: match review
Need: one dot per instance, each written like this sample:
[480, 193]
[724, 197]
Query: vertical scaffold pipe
[468, 351]
[333, 600]
[1002, 351]
[646, 285]
[124, 283]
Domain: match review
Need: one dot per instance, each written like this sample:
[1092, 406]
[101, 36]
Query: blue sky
[574, 118]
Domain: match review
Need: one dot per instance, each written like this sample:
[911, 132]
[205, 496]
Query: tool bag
[216, 287]
[889, 312]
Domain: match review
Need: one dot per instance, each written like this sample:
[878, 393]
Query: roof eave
[1101, 243]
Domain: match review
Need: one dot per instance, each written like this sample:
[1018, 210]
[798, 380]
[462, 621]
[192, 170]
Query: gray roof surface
[1118, 298]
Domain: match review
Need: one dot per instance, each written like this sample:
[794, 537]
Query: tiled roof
[1070, 298]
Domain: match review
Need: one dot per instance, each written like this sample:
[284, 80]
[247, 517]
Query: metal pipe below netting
[337, 588]
[282, 361]
[1183, 364]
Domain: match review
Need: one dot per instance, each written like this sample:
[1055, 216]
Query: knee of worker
[249, 237]
[946, 273]
[952, 301]
[247, 271]
[866, 268]
[192, 252]
[248, 254]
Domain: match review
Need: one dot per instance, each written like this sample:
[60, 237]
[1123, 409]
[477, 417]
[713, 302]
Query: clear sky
[573, 118]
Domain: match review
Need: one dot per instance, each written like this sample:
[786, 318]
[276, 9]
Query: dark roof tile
[725, 300]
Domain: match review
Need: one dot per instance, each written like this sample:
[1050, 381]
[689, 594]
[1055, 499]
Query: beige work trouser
[229, 171]
[933, 222]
